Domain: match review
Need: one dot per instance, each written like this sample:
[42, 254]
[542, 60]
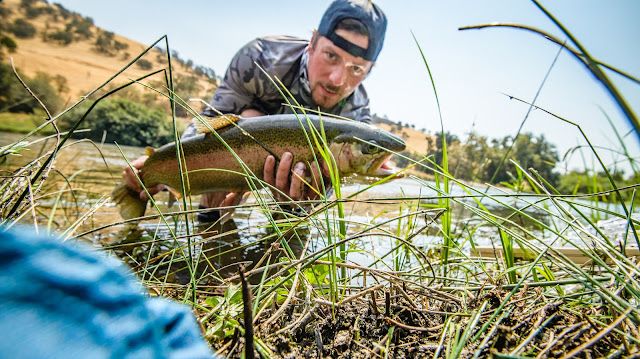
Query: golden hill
[81, 62]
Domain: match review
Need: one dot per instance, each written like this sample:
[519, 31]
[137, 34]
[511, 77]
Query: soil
[534, 326]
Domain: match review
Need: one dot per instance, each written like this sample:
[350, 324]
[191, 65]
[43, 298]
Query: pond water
[93, 170]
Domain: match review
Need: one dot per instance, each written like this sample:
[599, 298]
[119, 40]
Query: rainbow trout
[359, 150]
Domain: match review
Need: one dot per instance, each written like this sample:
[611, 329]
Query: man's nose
[338, 75]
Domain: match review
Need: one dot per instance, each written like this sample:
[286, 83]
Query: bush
[8, 43]
[23, 29]
[62, 37]
[125, 122]
[63, 11]
[81, 26]
[107, 44]
[5, 12]
[28, 3]
[144, 64]
[14, 98]
[33, 12]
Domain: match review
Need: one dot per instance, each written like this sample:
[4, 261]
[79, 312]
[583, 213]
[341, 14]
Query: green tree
[23, 29]
[63, 37]
[124, 121]
[8, 43]
[186, 87]
[14, 98]
[144, 64]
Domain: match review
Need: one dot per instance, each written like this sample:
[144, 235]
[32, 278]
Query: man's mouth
[331, 90]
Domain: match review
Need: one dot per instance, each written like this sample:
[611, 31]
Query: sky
[474, 71]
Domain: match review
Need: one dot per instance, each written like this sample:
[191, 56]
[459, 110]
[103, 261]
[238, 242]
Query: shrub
[5, 12]
[23, 29]
[81, 26]
[14, 98]
[27, 3]
[63, 11]
[144, 64]
[8, 43]
[33, 12]
[62, 37]
[126, 122]
[107, 44]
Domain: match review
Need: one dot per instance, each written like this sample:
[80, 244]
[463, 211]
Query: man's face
[334, 73]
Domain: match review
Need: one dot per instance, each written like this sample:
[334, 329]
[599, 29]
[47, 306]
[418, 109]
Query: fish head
[365, 151]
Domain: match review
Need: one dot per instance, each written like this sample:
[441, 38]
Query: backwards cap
[362, 10]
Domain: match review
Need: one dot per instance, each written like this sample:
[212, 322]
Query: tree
[144, 64]
[14, 98]
[62, 37]
[124, 121]
[23, 29]
[9, 43]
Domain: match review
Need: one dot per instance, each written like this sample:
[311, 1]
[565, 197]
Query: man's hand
[290, 182]
[132, 181]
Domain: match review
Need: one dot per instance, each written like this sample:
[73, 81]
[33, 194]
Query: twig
[532, 335]
[248, 315]
[412, 328]
[598, 336]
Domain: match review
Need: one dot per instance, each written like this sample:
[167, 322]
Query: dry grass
[84, 68]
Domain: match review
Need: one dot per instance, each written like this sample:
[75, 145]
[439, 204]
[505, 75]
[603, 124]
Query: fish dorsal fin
[215, 123]
[149, 151]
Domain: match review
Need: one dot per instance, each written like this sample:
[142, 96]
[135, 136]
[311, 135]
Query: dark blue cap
[362, 10]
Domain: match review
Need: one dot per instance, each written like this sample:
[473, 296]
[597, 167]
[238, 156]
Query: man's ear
[312, 43]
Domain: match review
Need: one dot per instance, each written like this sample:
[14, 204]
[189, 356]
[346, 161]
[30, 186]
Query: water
[92, 171]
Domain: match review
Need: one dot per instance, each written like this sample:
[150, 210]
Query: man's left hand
[290, 182]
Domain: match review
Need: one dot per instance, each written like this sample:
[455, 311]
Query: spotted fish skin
[211, 166]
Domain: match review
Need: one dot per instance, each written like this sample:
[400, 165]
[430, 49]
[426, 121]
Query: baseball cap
[362, 10]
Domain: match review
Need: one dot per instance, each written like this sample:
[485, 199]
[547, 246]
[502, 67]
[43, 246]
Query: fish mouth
[381, 168]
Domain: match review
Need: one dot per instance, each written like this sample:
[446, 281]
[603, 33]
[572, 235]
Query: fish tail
[128, 202]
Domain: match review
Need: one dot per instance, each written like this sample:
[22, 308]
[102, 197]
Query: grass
[381, 277]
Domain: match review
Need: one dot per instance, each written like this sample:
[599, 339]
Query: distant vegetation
[123, 120]
[136, 117]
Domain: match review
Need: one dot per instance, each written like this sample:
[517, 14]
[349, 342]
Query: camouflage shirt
[245, 86]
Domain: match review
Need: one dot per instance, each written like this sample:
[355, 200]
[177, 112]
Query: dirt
[535, 326]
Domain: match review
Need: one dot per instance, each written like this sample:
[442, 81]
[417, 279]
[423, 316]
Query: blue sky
[472, 70]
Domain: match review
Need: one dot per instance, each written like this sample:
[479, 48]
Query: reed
[387, 276]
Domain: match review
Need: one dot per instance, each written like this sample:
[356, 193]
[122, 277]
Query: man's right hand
[133, 183]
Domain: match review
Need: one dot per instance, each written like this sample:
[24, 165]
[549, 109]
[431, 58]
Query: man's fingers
[316, 182]
[232, 199]
[284, 168]
[269, 170]
[130, 176]
[296, 189]
[152, 191]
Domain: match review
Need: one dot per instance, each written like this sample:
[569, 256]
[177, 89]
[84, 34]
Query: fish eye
[370, 147]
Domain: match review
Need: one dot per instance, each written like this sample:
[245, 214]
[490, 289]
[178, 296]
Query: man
[323, 74]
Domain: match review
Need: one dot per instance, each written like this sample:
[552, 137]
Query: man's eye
[357, 70]
[331, 55]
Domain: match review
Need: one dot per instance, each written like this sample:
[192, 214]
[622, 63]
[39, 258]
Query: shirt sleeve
[241, 85]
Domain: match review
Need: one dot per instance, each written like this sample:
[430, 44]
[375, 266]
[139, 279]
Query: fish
[360, 151]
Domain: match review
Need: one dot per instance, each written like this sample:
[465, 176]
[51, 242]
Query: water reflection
[217, 250]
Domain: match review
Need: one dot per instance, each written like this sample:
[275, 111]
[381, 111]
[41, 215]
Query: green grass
[417, 250]
[22, 122]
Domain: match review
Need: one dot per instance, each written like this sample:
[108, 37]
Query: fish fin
[149, 151]
[215, 123]
[174, 196]
[128, 202]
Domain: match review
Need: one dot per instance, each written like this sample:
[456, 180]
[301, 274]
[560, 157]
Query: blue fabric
[61, 300]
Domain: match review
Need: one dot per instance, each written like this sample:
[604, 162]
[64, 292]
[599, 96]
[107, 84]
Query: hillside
[83, 55]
